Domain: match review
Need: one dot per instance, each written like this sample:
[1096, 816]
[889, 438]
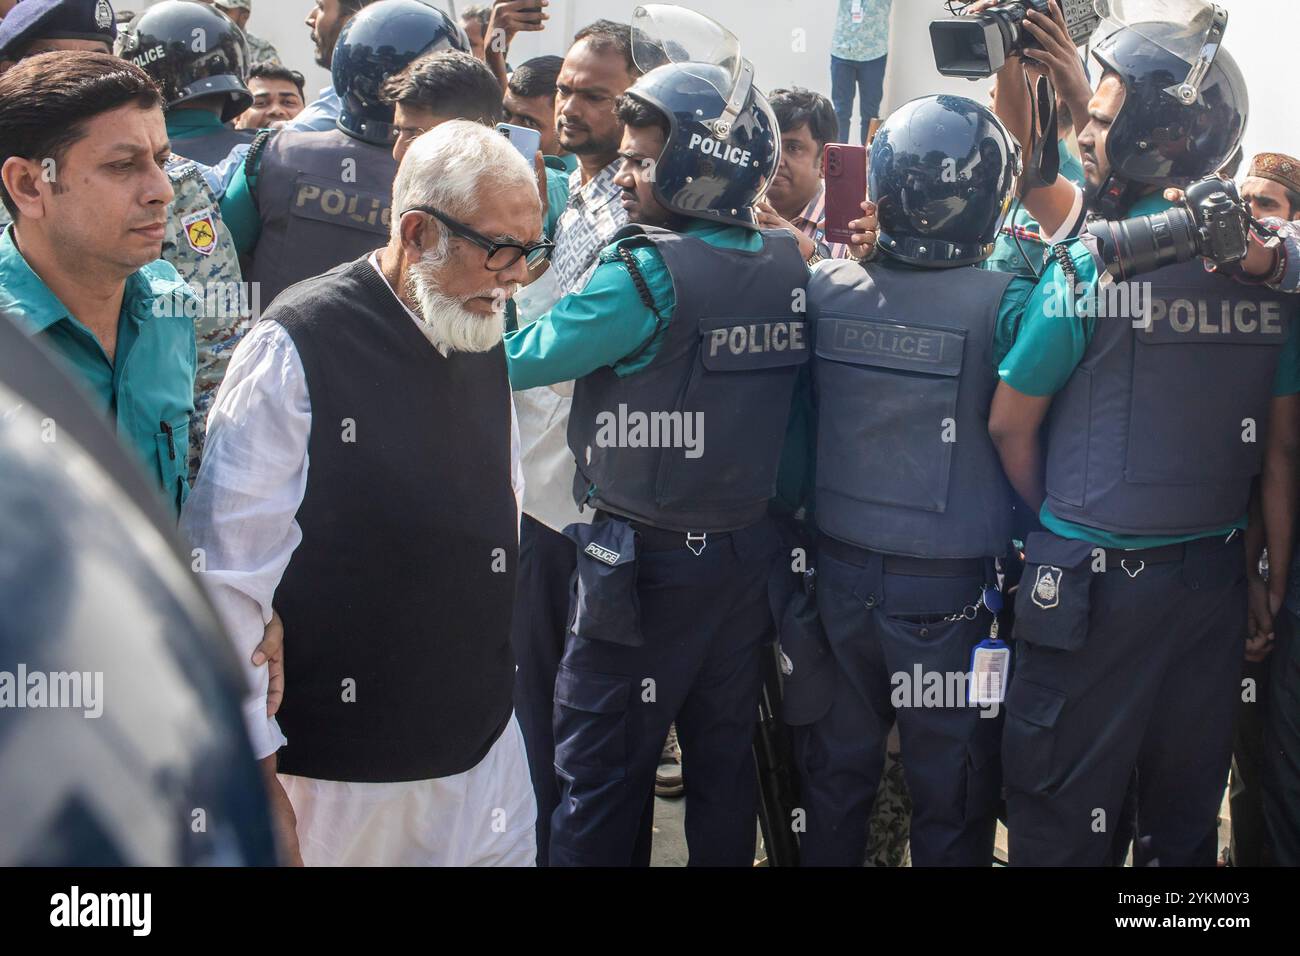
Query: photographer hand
[507, 18]
[1059, 55]
[1260, 259]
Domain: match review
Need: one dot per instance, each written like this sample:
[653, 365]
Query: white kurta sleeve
[240, 515]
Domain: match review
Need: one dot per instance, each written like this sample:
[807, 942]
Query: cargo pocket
[590, 725]
[1054, 597]
[605, 606]
[173, 446]
[1029, 737]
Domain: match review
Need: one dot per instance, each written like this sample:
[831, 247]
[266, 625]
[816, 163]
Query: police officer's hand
[863, 243]
[1261, 611]
[769, 218]
[271, 652]
[284, 822]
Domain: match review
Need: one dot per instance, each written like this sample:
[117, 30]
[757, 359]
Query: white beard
[446, 323]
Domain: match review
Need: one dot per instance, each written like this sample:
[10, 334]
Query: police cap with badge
[56, 20]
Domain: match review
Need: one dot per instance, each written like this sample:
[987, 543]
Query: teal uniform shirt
[1007, 255]
[239, 211]
[606, 322]
[183, 124]
[1052, 342]
[147, 389]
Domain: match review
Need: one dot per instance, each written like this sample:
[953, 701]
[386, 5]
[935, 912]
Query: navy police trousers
[659, 636]
[1124, 660]
[895, 657]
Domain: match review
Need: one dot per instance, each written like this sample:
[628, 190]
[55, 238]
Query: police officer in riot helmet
[304, 202]
[1129, 617]
[911, 505]
[199, 59]
[687, 328]
[128, 746]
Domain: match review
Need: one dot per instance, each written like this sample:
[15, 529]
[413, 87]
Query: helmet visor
[662, 33]
[1191, 30]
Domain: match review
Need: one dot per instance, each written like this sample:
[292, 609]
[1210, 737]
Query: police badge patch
[1047, 587]
[103, 15]
[200, 231]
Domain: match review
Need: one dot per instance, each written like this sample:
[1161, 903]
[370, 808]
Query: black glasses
[500, 255]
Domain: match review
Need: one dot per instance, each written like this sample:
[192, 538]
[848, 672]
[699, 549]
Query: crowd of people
[552, 464]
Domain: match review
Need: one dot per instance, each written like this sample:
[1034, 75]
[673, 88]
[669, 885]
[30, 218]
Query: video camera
[977, 46]
[1213, 223]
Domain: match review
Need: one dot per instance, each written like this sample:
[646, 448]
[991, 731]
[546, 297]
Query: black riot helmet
[1157, 138]
[723, 142]
[375, 44]
[130, 747]
[943, 171]
[191, 50]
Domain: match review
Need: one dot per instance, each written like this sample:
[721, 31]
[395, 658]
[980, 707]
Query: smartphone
[527, 141]
[844, 170]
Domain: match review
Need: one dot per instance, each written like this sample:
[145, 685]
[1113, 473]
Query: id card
[990, 665]
[858, 14]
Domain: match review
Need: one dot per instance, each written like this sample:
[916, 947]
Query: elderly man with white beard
[362, 475]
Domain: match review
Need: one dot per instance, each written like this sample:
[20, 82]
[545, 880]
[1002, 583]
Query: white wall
[788, 42]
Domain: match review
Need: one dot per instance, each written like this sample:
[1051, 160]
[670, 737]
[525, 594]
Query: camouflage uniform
[259, 51]
[200, 247]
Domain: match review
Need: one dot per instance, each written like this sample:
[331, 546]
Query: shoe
[668, 779]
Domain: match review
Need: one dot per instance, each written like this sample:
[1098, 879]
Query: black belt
[661, 539]
[899, 564]
[1165, 554]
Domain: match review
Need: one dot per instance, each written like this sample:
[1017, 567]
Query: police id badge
[990, 665]
[201, 231]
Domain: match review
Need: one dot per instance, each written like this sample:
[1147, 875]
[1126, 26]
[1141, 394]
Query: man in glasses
[362, 473]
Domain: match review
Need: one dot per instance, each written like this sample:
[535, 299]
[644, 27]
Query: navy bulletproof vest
[324, 199]
[904, 373]
[1161, 428]
[692, 441]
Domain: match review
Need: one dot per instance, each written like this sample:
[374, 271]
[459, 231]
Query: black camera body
[977, 46]
[1213, 223]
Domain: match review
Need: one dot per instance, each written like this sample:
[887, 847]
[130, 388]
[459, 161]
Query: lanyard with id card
[858, 14]
[990, 659]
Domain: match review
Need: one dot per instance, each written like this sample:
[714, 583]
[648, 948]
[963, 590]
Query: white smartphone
[527, 141]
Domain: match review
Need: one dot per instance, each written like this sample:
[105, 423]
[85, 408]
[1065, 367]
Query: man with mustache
[83, 144]
[362, 473]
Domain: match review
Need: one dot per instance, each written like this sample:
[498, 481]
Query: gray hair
[450, 166]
